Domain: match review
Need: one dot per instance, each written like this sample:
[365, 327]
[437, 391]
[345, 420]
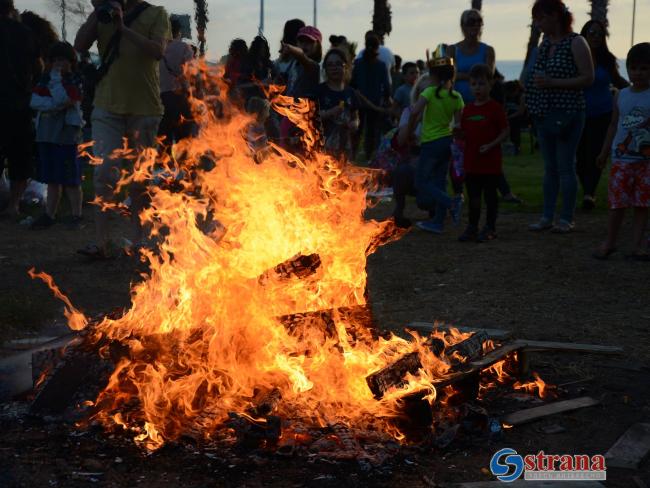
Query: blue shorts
[58, 164]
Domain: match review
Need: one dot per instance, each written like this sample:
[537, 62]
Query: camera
[105, 11]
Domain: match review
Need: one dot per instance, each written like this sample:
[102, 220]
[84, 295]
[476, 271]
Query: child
[256, 134]
[57, 98]
[438, 106]
[402, 96]
[302, 75]
[484, 126]
[338, 105]
[628, 137]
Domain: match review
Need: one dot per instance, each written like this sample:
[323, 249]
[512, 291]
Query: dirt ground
[540, 286]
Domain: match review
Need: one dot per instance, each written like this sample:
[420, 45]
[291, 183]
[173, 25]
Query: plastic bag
[35, 193]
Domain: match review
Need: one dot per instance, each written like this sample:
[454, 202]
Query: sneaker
[512, 198]
[487, 234]
[588, 203]
[543, 224]
[470, 234]
[429, 226]
[456, 209]
[43, 222]
[563, 227]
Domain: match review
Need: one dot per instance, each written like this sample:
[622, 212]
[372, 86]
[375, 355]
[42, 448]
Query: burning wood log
[75, 369]
[393, 375]
[252, 433]
[469, 349]
[300, 266]
[266, 401]
[361, 324]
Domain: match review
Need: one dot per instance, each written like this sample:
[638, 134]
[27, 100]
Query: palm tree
[599, 10]
[477, 4]
[201, 19]
[381, 19]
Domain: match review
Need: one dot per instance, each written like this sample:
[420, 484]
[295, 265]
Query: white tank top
[632, 141]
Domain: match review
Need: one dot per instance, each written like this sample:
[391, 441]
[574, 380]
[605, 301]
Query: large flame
[218, 321]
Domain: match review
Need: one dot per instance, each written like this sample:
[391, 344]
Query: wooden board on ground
[630, 449]
[569, 346]
[427, 327]
[528, 484]
[530, 414]
[478, 365]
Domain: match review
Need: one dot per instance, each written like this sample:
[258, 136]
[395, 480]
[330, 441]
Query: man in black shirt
[19, 62]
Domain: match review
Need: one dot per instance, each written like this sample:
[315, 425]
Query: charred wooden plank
[428, 328]
[468, 349]
[530, 414]
[631, 448]
[300, 266]
[359, 317]
[68, 376]
[265, 402]
[388, 233]
[569, 347]
[393, 375]
[255, 433]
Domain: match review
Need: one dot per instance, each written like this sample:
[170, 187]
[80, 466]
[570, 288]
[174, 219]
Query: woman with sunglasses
[600, 103]
[470, 51]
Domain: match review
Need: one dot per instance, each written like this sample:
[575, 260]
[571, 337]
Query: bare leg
[75, 196]
[53, 199]
[640, 224]
[17, 188]
[613, 227]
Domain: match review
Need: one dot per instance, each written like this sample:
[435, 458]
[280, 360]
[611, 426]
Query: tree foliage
[599, 10]
[382, 18]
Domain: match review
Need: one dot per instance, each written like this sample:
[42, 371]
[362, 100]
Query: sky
[417, 24]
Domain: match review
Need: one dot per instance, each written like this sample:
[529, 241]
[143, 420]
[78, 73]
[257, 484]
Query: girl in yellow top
[439, 107]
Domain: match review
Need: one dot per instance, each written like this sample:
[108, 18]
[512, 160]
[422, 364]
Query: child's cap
[310, 32]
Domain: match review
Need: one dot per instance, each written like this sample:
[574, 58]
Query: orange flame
[76, 320]
[537, 386]
[206, 330]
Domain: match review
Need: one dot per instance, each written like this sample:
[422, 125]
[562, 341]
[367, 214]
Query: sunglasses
[595, 33]
[473, 22]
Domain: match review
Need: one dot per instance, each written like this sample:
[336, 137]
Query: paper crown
[435, 62]
[440, 57]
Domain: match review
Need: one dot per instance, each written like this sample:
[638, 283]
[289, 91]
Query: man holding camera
[131, 37]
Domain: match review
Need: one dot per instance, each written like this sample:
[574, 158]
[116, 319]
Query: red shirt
[482, 124]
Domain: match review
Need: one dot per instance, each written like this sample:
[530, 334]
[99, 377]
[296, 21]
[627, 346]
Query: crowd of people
[431, 125]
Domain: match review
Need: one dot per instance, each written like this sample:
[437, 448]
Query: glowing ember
[247, 306]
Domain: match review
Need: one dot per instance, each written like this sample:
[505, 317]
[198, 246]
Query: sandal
[603, 255]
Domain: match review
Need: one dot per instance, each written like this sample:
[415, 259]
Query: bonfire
[254, 307]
